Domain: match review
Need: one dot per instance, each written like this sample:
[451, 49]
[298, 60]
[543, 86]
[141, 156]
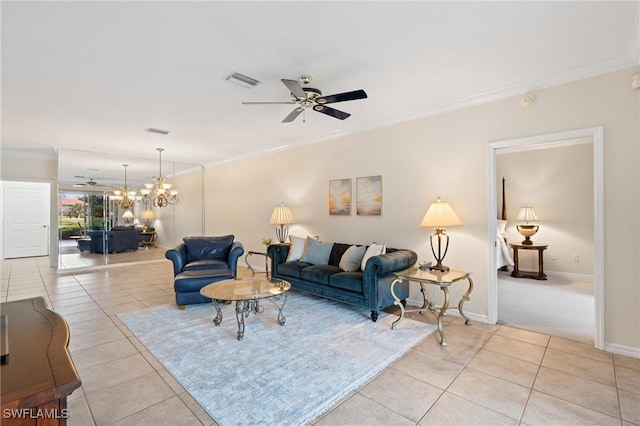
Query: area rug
[285, 375]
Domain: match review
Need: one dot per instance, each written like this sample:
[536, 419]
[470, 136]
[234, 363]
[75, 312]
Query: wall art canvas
[369, 196]
[340, 197]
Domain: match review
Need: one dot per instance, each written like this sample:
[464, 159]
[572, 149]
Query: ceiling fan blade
[293, 115]
[267, 103]
[340, 115]
[295, 88]
[341, 97]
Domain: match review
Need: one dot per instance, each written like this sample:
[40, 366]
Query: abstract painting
[340, 197]
[369, 193]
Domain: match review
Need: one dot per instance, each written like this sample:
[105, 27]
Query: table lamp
[281, 216]
[147, 215]
[128, 217]
[438, 216]
[527, 231]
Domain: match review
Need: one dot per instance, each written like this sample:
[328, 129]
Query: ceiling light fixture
[125, 197]
[164, 194]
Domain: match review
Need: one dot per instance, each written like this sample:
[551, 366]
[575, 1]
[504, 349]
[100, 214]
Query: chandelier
[125, 197]
[164, 195]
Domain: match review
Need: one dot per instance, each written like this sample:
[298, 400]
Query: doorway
[26, 217]
[594, 135]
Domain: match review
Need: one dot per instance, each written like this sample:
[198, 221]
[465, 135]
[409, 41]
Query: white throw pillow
[298, 245]
[352, 258]
[373, 250]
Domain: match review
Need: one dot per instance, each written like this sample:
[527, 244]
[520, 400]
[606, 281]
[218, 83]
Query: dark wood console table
[39, 374]
[516, 267]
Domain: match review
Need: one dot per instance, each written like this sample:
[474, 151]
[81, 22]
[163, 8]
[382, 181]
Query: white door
[26, 219]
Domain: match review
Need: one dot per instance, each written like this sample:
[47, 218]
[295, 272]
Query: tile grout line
[531, 388]
[464, 368]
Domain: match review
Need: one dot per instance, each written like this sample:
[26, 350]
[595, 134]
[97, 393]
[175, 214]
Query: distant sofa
[199, 261]
[333, 273]
[117, 240]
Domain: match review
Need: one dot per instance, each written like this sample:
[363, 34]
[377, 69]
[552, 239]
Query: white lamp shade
[527, 214]
[148, 215]
[127, 215]
[440, 215]
[282, 215]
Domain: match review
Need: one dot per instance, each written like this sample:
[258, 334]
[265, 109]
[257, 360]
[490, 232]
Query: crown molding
[32, 153]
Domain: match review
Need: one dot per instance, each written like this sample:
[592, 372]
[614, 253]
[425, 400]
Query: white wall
[446, 155]
[558, 183]
[189, 212]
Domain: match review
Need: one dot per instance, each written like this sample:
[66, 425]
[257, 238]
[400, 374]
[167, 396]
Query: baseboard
[569, 275]
[622, 350]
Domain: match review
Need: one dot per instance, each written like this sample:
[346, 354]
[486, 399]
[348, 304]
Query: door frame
[597, 136]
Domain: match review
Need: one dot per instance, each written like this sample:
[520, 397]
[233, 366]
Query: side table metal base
[438, 311]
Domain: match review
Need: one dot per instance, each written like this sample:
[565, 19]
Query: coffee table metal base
[246, 307]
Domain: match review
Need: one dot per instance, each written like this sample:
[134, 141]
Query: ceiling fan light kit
[309, 97]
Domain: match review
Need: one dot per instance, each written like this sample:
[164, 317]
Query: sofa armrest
[385, 264]
[237, 250]
[278, 254]
[178, 255]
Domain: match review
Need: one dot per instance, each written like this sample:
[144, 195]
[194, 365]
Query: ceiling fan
[90, 182]
[309, 97]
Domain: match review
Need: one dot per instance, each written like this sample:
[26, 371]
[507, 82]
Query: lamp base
[439, 267]
[527, 231]
[282, 233]
[439, 232]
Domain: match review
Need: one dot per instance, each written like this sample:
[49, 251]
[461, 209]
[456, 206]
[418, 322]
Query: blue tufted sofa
[199, 261]
[116, 240]
[369, 288]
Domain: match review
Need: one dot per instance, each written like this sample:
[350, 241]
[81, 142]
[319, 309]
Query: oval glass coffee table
[247, 293]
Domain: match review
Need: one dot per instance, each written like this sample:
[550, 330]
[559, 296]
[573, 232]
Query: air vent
[154, 130]
[241, 79]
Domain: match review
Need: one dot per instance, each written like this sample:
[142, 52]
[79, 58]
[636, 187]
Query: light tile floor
[488, 375]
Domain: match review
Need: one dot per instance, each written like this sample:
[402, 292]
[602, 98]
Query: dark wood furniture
[516, 267]
[39, 374]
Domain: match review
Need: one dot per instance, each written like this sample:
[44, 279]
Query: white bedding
[503, 255]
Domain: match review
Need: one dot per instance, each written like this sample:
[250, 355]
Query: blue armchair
[199, 261]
